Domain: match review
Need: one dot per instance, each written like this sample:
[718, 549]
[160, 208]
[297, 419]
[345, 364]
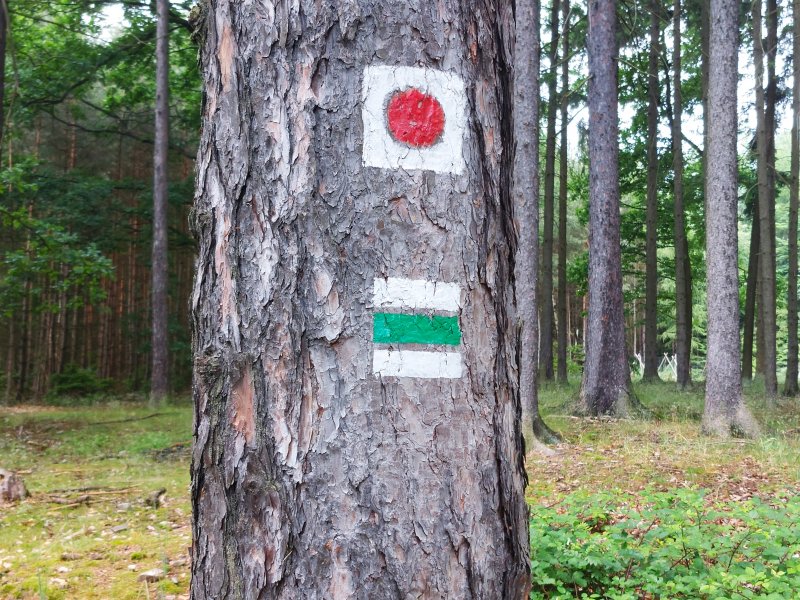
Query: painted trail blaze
[415, 118]
[407, 326]
[391, 328]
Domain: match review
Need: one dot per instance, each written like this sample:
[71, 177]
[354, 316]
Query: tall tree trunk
[4, 27]
[159, 373]
[526, 204]
[705, 27]
[759, 311]
[561, 304]
[770, 105]
[355, 330]
[683, 265]
[765, 211]
[725, 413]
[60, 327]
[651, 262]
[526, 180]
[546, 300]
[791, 385]
[10, 368]
[606, 386]
[750, 295]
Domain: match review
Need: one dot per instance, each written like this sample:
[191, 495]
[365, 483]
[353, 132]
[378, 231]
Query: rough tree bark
[683, 265]
[750, 295]
[562, 306]
[705, 26]
[765, 211]
[606, 385]
[329, 462]
[526, 203]
[725, 413]
[159, 373]
[791, 385]
[546, 300]
[770, 106]
[651, 260]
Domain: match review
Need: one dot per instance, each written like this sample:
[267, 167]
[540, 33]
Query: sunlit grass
[123, 452]
[87, 531]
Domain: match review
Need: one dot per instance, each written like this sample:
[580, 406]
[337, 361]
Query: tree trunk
[705, 26]
[725, 413]
[159, 374]
[770, 105]
[546, 300]
[683, 265]
[651, 261]
[765, 211]
[4, 26]
[791, 385]
[606, 385]
[355, 337]
[10, 369]
[750, 295]
[526, 202]
[561, 304]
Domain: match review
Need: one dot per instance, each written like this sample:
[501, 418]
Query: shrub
[75, 382]
[672, 544]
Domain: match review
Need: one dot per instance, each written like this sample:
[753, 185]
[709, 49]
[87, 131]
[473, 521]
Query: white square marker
[413, 119]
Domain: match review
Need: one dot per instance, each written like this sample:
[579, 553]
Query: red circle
[415, 118]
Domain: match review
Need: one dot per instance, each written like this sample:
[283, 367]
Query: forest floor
[90, 530]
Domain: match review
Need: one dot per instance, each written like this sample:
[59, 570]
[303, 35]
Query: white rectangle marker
[417, 363]
[396, 292]
[382, 149]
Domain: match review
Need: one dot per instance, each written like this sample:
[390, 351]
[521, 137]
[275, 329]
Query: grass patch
[87, 531]
[624, 509]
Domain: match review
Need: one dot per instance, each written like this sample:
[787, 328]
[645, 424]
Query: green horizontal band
[391, 328]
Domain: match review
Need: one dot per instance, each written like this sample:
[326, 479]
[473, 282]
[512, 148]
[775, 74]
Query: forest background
[77, 191]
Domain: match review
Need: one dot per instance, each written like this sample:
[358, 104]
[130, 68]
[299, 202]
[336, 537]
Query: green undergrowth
[631, 509]
[671, 544]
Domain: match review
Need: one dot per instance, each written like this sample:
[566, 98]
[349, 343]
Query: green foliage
[77, 382]
[665, 545]
[52, 255]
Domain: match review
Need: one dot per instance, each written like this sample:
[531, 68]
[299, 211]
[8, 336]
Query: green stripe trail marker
[390, 328]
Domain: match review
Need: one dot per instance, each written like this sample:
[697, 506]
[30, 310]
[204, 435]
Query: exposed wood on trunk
[725, 413]
[12, 487]
[606, 376]
[353, 484]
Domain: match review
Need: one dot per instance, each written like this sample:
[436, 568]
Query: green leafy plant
[665, 545]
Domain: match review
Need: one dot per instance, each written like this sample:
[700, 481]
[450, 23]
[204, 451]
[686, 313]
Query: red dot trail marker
[413, 119]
